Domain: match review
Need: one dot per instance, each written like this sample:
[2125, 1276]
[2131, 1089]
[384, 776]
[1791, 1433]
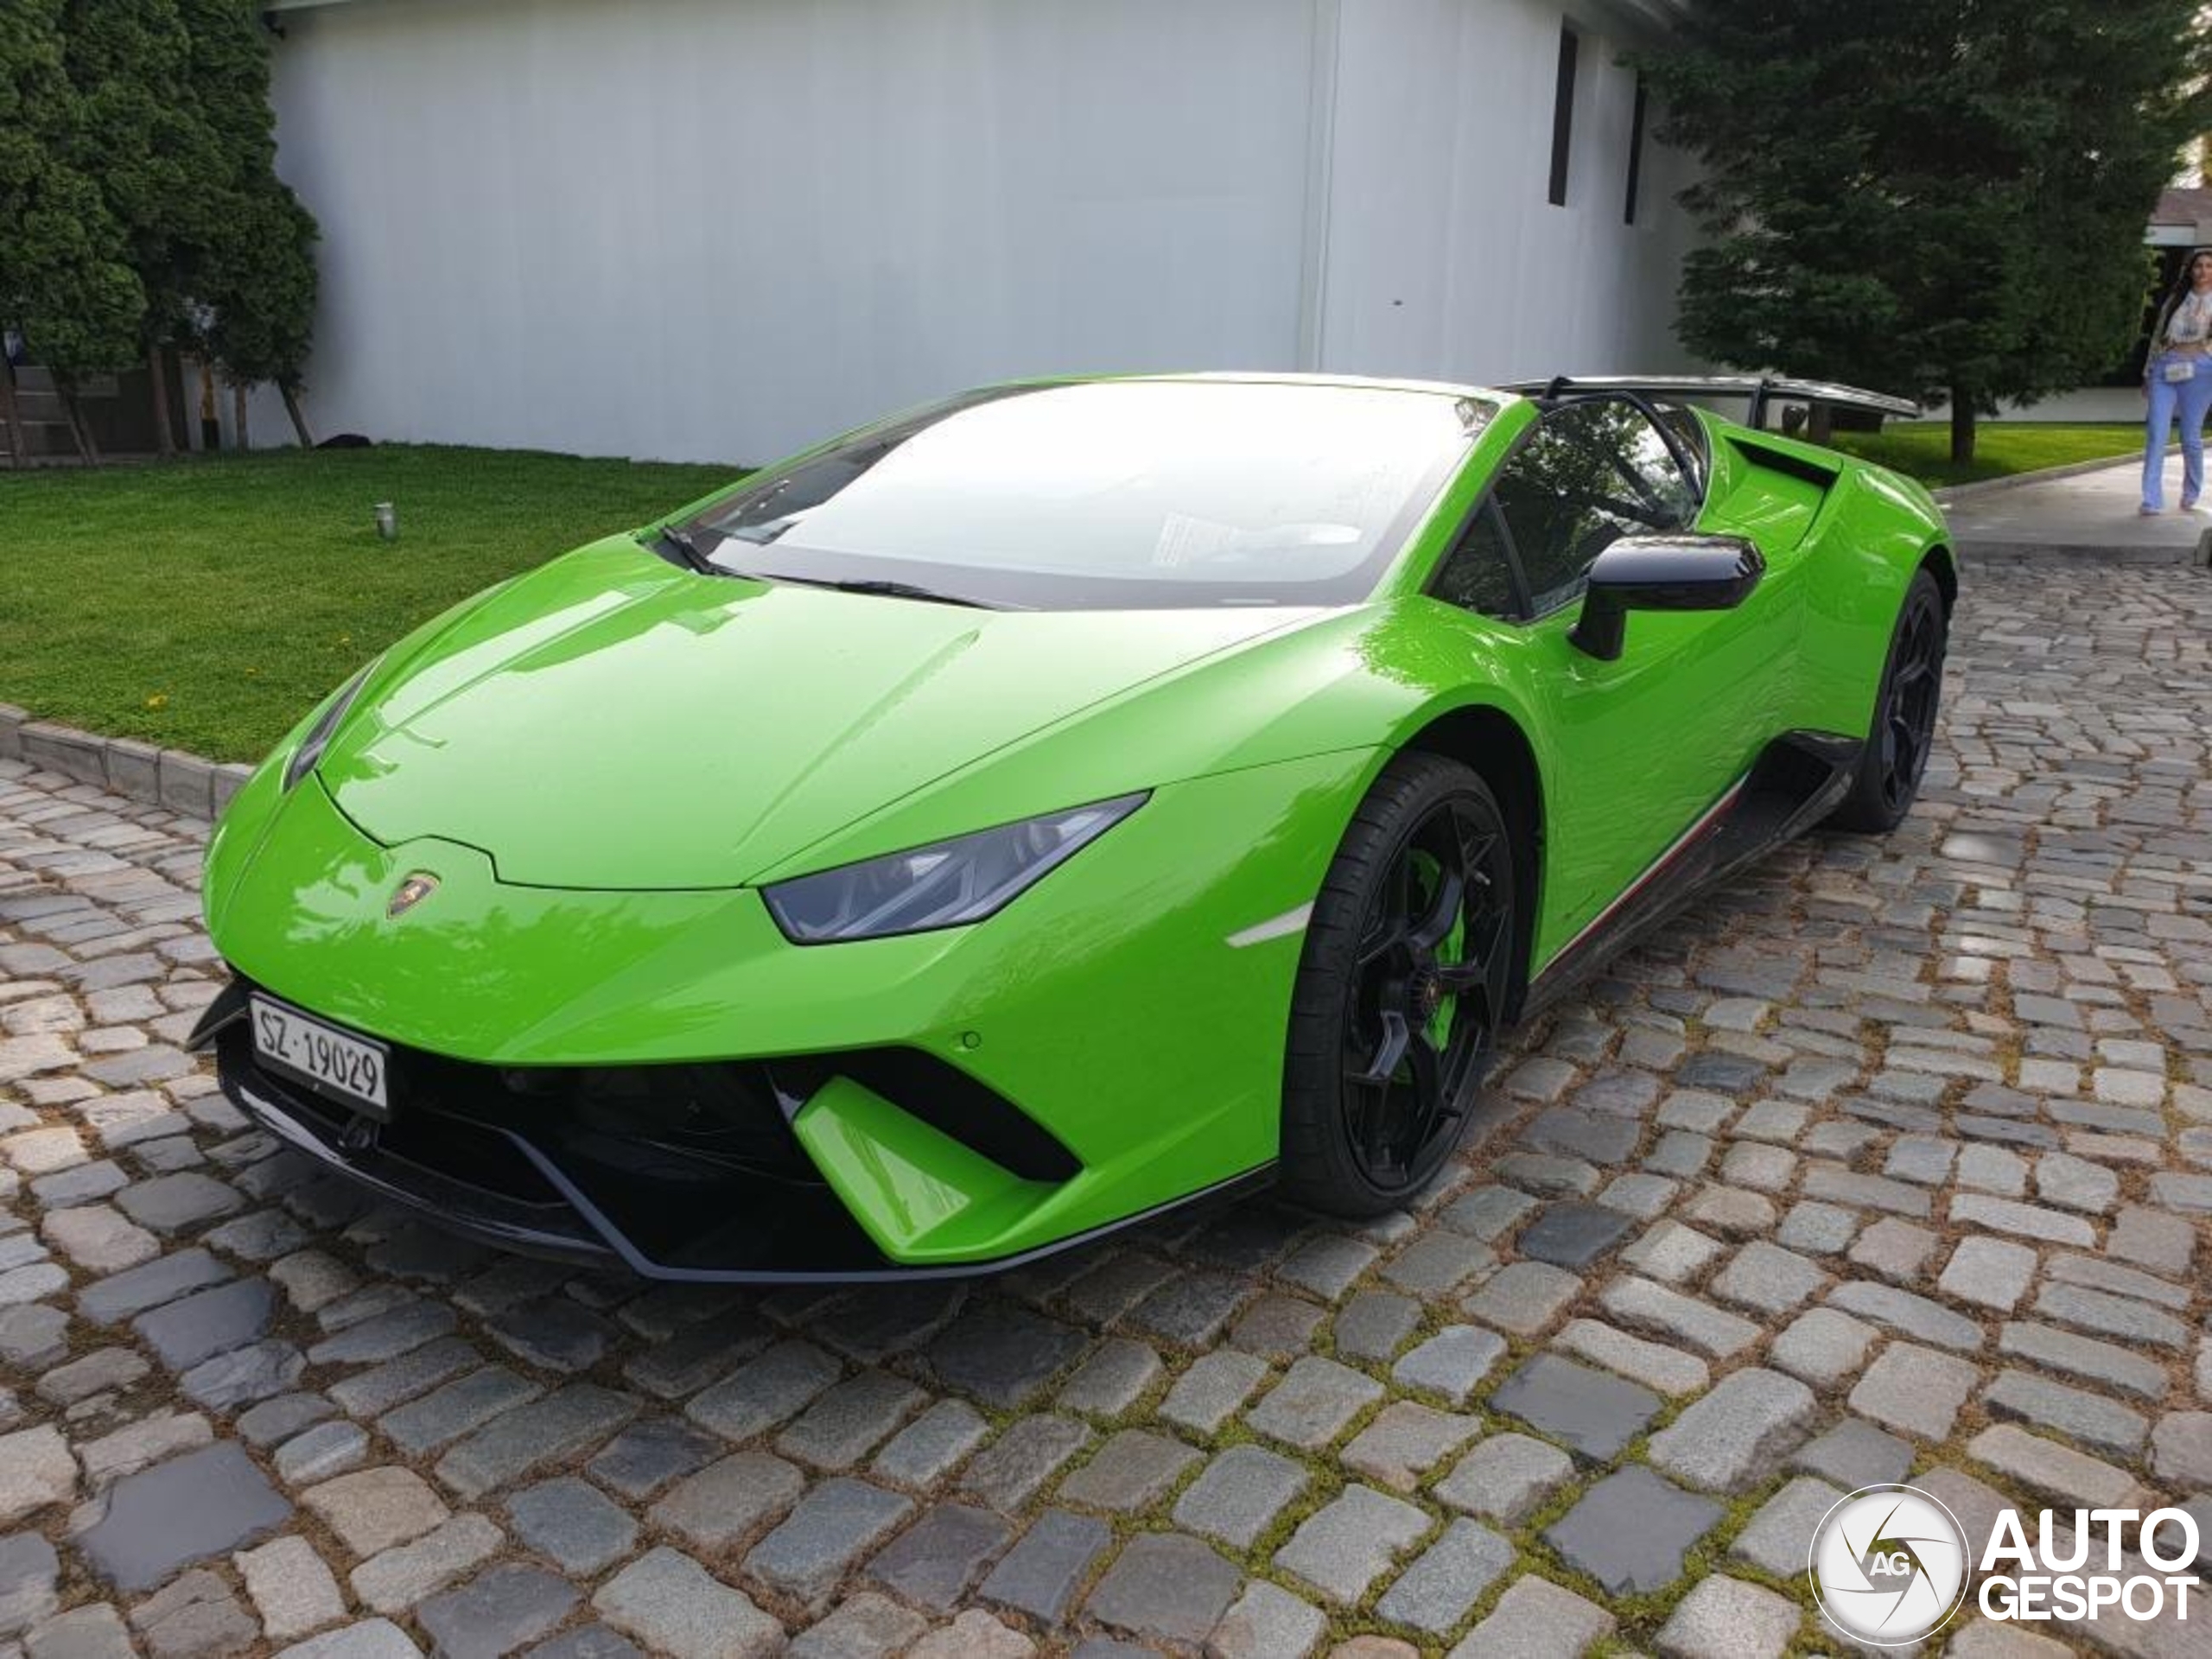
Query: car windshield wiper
[877, 586]
[688, 550]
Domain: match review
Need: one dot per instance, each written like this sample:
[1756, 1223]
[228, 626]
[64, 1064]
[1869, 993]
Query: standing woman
[2178, 379]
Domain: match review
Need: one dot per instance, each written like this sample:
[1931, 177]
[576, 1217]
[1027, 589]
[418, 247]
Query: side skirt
[1796, 781]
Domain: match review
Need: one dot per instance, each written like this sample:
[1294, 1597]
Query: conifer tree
[143, 139]
[259, 287]
[1936, 197]
[67, 285]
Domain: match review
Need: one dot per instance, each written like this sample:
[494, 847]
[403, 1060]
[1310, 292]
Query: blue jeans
[2191, 399]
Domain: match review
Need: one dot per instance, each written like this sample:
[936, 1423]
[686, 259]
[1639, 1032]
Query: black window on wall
[1563, 113]
[1635, 154]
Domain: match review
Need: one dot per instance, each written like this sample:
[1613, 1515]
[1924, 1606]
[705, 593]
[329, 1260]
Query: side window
[1595, 472]
[1479, 576]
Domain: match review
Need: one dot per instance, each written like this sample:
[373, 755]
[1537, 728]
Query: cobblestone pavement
[1894, 1159]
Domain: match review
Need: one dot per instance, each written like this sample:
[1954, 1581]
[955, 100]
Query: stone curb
[2197, 554]
[1954, 492]
[139, 772]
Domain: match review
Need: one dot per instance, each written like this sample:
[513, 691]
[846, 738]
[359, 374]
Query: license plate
[339, 1063]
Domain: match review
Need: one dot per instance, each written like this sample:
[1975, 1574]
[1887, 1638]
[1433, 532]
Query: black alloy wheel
[1904, 732]
[1909, 711]
[1408, 964]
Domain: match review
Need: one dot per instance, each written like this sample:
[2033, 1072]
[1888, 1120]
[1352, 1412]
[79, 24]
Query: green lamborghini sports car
[1009, 821]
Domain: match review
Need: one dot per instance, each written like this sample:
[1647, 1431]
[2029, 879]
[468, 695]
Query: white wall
[1446, 257]
[2090, 404]
[716, 229]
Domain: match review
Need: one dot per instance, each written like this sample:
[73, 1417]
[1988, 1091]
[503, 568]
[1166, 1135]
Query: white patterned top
[2191, 322]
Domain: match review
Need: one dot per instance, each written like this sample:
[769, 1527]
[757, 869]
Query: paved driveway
[2091, 514]
[1893, 1160]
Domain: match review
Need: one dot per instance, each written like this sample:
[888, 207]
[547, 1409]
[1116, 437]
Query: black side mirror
[1676, 570]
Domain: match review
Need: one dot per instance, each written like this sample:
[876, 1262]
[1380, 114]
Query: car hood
[611, 722]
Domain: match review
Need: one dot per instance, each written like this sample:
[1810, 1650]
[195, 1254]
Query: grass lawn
[207, 604]
[1923, 448]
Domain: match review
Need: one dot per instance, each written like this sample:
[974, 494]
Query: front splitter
[574, 1228]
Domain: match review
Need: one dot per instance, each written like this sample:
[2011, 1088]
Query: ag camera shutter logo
[1889, 1566]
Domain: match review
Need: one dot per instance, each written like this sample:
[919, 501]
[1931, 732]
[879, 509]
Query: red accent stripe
[1658, 866]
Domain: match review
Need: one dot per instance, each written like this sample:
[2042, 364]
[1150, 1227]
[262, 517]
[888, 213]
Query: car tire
[1891, 766]
[1374, 1106]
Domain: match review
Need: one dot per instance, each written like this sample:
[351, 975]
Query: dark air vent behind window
[1635, 154]
[1563, 113]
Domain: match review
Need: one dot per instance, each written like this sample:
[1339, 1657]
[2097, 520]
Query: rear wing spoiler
[1760, 390]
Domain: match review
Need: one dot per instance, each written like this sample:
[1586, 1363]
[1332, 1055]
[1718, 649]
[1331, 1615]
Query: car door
[1640, 748]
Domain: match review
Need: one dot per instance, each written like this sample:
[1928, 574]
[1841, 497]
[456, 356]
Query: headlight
[318, 738]
[947, 884]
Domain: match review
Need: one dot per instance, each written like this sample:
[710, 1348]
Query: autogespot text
[2054, 1579]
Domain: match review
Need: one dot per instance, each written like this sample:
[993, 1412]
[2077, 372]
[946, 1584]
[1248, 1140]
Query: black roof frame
[1760, 390]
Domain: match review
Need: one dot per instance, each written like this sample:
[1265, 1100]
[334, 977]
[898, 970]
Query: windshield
[1111, 494]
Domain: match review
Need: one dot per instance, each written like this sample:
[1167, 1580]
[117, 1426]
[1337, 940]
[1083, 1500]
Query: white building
[717, 229]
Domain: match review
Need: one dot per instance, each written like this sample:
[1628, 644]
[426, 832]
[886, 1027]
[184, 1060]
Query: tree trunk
[165, 429]
[88, 448]
[299, 421]
[211, 429]
[1962, 426]
[237, 419]
[10, 417]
